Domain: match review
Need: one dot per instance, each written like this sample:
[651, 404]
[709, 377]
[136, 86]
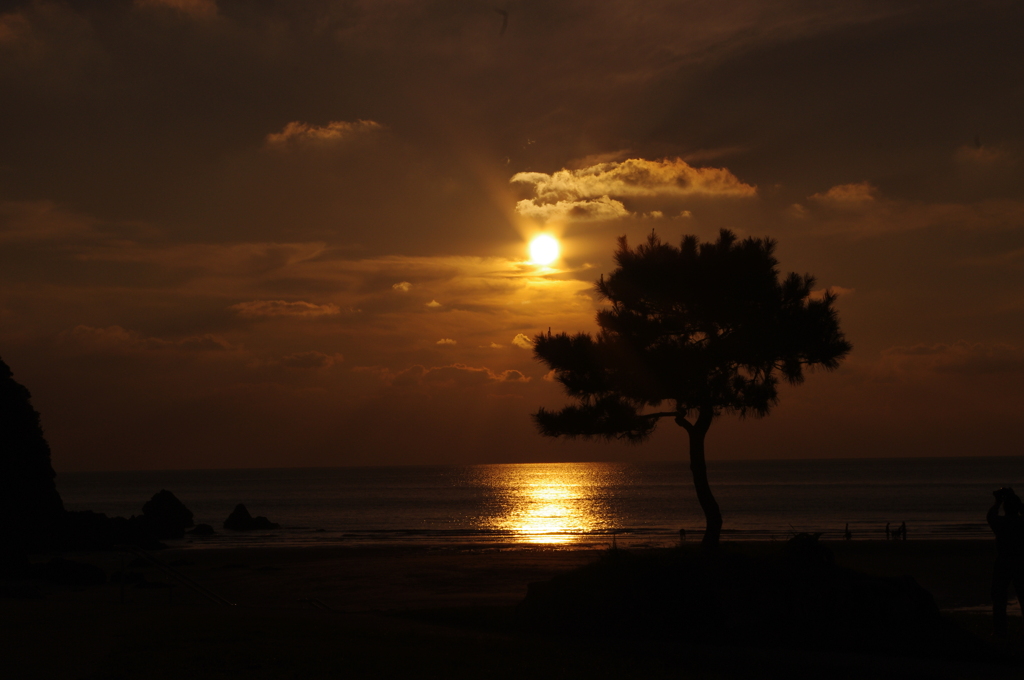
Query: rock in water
[165, 516]
[241, 520]
[31, 510]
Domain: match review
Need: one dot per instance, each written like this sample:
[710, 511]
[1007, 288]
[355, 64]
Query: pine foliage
[706, 328]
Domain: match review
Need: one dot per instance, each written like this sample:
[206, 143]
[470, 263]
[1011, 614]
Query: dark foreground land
[419, 613]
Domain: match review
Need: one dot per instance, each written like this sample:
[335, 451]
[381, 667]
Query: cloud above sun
[601, 208]
[635, 177]
[593, 192]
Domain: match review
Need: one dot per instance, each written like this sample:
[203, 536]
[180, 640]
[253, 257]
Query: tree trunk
[699, 469]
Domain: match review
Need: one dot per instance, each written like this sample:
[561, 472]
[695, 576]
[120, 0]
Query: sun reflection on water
[550, 503]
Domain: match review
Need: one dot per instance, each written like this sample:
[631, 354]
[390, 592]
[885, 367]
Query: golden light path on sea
[550, 503]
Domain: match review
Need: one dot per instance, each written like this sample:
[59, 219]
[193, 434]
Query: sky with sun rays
[239, 233]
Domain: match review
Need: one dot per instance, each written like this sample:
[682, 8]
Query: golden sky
[240, 233]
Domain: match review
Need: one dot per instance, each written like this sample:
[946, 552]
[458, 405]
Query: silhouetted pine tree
[708, 328]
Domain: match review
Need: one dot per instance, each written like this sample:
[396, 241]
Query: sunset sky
[251, 233]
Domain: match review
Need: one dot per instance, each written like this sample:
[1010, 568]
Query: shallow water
[568, 504]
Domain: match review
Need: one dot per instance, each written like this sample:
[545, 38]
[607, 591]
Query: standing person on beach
[1009, 566]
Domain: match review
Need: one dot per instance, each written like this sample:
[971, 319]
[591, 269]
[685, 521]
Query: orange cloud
[116, 339]
[297, 133]
[311, 359]
[42, 220]
[14, 28]
[861, 192]
[522, 341]
[977, 155]
[856, 209]
[453, 376]
[199, 9]
[271, 308]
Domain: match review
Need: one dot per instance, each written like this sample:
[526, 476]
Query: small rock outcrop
[165, 516]
[201, 530]
[31, 510]
[241, 520]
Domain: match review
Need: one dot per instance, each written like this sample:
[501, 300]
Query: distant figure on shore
[1009, 566]
[846, 534]
[888, 534]
[903, 531]
[682, 536]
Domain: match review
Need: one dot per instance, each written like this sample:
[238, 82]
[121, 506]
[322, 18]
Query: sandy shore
[407, 612]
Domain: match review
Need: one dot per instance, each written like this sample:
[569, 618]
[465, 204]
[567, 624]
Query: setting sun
[544, 249]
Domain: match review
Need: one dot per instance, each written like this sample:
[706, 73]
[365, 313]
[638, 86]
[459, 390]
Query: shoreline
[302, 537]
[956, 571]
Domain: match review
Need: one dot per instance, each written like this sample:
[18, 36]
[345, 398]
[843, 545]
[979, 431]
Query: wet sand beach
[413, 612]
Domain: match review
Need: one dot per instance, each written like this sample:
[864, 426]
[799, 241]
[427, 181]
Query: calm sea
[567, 504]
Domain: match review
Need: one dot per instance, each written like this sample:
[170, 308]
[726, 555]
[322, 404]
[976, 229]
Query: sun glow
[544, 249]
[549, 504]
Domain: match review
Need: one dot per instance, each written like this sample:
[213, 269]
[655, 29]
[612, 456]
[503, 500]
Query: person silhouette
[847, 535]
[887, 534]
[1009, 566]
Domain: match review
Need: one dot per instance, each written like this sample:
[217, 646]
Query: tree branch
[665, 414]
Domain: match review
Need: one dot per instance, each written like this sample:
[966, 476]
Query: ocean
[566, 505]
